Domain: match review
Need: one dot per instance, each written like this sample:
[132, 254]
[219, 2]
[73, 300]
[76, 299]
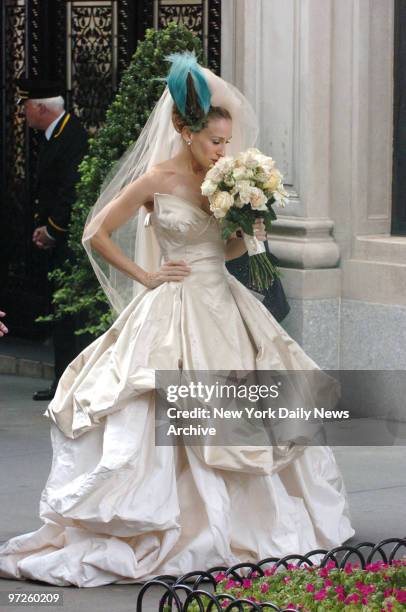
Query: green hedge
[78, 291]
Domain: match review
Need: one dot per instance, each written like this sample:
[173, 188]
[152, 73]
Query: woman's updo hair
[194, 116]
[215, 112]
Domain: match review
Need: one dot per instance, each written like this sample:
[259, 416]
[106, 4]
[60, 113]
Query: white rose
[214, 174]
[243, 188]
[225, 163]
[281, 195]
[220, 203]
[261, 176]
[208, 187]
[274, 181]
[258, 199]
[241, 173]
[229, 180]
[250, 158]
[267, 164]
[220, 169]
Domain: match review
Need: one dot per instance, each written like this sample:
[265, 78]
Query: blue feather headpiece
[183, 65]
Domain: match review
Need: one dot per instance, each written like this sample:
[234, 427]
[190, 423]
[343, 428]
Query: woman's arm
[120, 210]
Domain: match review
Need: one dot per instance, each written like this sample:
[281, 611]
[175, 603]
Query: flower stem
[262, 272]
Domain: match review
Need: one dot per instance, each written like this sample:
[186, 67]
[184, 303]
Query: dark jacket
[274, 297]
[57, 176]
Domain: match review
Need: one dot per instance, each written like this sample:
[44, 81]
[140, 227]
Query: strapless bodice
[185, 231]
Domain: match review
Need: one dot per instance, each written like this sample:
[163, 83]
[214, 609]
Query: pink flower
[401, 596]
[376, 567]
[309, 587]
[348, 568]
[330, 565]
[364, 601]
[354, 597]
[387, 593]
[221, 576]
[230, 584]
[365, 588]
[324, 572]
[291, 566]
[328, 583]
[264, 588]
[322, 594]
[246, 583]
[270, 572]
[339, 588]
[286, 579]
[341, 597]
[254, 574]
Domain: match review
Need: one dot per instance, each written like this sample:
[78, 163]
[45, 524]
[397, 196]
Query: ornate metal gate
[85, 44]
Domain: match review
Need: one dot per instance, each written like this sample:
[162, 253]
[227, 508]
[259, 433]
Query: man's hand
[259, 229]
[41, 239]
[3, 328]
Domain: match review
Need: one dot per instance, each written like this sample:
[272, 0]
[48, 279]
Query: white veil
[157, 142]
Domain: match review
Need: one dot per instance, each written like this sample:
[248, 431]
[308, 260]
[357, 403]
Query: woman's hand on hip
[170, 271]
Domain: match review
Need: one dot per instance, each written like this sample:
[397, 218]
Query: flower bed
[379, 587]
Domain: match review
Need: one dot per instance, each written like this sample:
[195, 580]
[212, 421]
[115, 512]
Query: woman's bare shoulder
[156, 180]
[163, 170]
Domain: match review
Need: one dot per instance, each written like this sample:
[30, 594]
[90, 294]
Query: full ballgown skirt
[117, 508]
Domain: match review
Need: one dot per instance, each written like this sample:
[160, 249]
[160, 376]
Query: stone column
[279, 55]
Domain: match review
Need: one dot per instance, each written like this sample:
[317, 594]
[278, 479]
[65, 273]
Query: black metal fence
[180, 593]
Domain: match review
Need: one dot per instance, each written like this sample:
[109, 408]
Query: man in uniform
[62, 148]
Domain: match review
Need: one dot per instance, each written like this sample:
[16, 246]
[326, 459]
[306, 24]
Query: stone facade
[320, 76]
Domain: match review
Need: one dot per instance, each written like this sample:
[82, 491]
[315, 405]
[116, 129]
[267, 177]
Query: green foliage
[378, 587]
[78, 290]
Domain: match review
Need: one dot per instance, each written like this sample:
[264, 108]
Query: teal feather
[184, 64]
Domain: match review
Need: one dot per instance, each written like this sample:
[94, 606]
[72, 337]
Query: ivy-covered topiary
[78, 291]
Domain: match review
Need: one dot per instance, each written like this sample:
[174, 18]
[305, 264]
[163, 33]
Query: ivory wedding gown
[117, 508]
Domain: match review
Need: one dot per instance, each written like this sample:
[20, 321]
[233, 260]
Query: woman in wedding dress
[116, 507]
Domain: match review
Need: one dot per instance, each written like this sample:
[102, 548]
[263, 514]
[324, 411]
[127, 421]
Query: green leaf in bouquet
[228, 228]
[268, 222]
[246, 224]
[271, 211]
[233, 214]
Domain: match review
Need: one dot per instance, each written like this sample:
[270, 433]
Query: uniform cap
[37, 89]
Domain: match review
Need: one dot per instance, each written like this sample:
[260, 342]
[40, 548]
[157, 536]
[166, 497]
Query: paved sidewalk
[375, 478]
[26, 358]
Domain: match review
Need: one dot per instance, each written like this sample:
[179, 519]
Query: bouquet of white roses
[240, 189]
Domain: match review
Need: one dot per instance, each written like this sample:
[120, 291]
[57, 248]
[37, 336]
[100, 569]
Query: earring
[188, 142]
